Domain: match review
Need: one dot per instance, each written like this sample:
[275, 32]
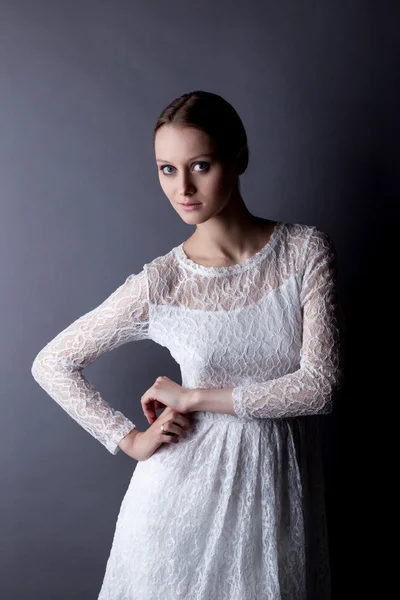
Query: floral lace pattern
[121, 318]
[235, 511]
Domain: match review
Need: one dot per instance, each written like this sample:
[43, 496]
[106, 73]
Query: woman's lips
[190, 205]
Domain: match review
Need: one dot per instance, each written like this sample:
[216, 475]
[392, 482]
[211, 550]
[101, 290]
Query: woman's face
[190, 172]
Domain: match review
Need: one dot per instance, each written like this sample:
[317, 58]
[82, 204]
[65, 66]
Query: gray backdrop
[81, 86]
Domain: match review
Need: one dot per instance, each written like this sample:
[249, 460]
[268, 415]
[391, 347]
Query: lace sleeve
[120, 318]
[310, 389]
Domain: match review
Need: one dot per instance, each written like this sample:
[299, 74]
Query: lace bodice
[268, 328]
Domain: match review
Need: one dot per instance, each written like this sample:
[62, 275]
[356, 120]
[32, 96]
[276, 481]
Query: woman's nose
[186, 186]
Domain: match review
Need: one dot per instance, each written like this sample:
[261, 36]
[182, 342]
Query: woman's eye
[203, 163]
[171, 167]
[165, 167]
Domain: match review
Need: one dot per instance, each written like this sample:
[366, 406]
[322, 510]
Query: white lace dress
[235, 511]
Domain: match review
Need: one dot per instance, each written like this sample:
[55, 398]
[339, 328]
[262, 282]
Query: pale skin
[226, 233]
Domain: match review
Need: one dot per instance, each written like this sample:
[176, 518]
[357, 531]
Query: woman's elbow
[37, 366]
[328, 389]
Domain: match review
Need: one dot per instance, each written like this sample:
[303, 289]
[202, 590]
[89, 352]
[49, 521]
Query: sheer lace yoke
[230, 269]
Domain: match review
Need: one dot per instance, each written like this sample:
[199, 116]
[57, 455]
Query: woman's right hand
[140, 445]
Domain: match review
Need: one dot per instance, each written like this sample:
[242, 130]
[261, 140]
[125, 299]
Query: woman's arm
[120, 318]
[310, 389]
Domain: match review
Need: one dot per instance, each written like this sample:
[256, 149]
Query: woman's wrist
[217, 400]
[126, 443]
[191, 400]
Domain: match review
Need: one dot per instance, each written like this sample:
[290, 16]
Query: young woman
[226, 500]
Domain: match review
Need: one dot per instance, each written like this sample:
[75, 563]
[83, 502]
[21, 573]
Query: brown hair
[216, 117]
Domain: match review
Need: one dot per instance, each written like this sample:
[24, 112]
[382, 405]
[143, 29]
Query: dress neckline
[230, 269]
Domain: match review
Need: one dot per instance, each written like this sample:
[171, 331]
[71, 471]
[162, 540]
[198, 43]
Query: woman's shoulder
[161, 263]
[162, 275]
[300, 243]
[300, 231]
[303, 236]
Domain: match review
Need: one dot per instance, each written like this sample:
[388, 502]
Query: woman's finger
[150, 405]
[148, 409]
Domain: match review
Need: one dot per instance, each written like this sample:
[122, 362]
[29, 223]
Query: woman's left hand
[164, 392]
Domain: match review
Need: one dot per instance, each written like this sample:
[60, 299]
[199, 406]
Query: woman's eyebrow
[193, 157]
